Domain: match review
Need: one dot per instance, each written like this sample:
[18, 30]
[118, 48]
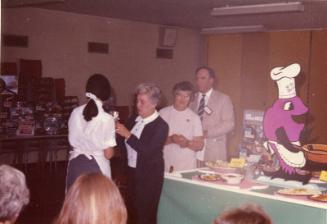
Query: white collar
[148, 119]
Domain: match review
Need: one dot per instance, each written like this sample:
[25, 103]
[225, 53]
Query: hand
[109, 153]
[196, 144]
[122, 130]
[174, 138]
[182, 141]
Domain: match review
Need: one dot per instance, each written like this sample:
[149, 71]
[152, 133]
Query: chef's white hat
[284, 76]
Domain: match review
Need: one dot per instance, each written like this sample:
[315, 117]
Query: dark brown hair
[184, 86]
[248, 214]
[100, 86]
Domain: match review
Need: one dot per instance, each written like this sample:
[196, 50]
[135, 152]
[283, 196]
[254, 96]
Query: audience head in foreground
[93, 199]
[14, 193]
[247, 214]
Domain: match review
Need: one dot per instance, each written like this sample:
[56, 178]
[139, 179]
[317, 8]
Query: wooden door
[317, 96]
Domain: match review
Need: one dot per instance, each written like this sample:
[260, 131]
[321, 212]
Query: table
[46, 146]
[188, 201]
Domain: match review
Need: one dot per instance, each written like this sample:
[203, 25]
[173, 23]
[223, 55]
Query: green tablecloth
[192, 202]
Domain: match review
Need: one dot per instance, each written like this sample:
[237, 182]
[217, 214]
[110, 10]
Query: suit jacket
[217, 124]
[149, 147]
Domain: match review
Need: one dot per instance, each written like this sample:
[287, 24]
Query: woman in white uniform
[91, 133]
[185, 130]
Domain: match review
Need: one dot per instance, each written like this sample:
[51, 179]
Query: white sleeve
[106, 133]
[73, 128]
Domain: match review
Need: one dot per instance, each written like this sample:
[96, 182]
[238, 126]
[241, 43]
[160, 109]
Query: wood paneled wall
[243, 63]
[224, 54]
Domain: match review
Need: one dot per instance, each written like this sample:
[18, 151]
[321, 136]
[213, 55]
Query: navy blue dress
[145, 182]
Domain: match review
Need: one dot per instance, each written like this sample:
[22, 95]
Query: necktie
[201, 106]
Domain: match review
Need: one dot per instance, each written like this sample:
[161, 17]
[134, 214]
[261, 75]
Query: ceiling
[188, 13]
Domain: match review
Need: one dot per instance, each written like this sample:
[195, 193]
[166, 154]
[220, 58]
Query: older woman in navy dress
[144, 137]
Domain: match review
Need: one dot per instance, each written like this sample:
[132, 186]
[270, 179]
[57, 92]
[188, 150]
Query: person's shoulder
[104, 116]
[107, 116]
[190, 112]
[219, 94]
[165, 110]
[78, 109]
[160, 121]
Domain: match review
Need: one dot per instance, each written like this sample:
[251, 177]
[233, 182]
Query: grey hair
[150, 89]
[210, 71]
[14, 193]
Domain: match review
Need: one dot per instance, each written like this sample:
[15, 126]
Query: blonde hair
[93, 199]
[247, 214]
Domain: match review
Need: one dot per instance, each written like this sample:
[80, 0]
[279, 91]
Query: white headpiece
[284, 76]
[98, 102]
[91, 96]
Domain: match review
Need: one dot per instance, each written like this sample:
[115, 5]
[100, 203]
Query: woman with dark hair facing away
[91, 132]
[247, 214]
[93, 199]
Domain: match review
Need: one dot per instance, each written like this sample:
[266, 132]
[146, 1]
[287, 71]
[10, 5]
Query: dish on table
[299, 191]
[232, 178]
[209, 176]
[219, 166]
[319, 197]
[315, 152]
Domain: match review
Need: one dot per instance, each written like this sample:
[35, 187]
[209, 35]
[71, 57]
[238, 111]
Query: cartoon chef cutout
[280, 128]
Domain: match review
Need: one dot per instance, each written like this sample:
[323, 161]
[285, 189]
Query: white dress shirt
[137, 131]
[207, 96]
[90, 138]
[200, 154]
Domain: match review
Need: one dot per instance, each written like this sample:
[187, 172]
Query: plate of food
[209, 177]
[298, 191]
[319, 197]
[220, 166]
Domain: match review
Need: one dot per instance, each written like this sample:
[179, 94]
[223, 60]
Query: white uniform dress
[91, 138]
[184, 122]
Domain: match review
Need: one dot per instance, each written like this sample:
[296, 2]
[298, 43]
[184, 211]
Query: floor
[47, 184]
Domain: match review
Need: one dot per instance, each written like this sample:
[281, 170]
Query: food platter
[298, 191]
[209, 177]
[319, 197]
[219, 166]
